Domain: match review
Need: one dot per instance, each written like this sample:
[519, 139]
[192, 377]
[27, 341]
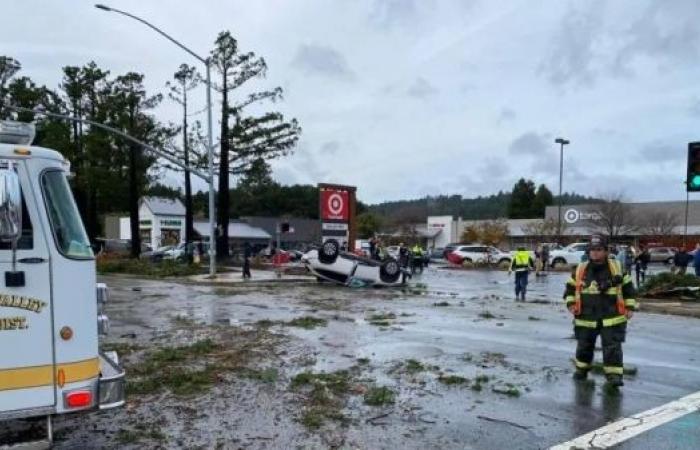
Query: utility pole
[562, 143]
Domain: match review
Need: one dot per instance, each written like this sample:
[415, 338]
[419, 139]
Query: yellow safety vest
[522, 258]
[621, 307]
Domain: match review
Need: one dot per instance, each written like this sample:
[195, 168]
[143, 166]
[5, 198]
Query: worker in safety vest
[416, 258]
[522, 263]
[601, 298]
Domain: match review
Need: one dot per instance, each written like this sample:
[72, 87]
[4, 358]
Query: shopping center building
[659, 222]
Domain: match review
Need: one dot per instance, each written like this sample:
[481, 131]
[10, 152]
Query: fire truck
[51, 308]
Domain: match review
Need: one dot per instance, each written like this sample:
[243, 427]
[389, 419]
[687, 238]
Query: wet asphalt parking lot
[428, 343]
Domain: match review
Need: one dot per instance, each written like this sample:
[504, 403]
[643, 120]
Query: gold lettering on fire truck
[21, 302]
[13, 323]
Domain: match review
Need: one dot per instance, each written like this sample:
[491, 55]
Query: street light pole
[687, 201]
[562, 143]
[210, 132]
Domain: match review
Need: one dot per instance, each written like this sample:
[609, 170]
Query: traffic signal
[693, 180]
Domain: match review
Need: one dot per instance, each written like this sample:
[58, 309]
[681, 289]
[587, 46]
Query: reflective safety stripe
[581, 364]
[36, 376]
[585, 323]
[613, 370]
[627, 279]
[592, 289]
[571, 281]
[570, 299]
[614, 267]
[630, 302]
[614, 321]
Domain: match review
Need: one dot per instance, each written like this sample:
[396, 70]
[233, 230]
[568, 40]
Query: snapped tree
[249, 138]
[185, 80]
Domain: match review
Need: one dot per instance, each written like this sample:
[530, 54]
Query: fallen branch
[507, 422]
[381, 416]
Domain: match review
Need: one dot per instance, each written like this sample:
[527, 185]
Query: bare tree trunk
[223, 206]
[134, 194]
[189, 222]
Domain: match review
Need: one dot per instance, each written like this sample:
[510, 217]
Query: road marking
[629, 427]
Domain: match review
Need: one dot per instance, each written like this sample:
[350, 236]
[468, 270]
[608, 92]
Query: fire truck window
[66, 224]
[26, 241]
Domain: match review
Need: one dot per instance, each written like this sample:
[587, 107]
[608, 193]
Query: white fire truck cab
[50, 303]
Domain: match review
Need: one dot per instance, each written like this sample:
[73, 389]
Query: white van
[50, 303]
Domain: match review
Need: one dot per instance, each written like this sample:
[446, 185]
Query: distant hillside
[491, 207]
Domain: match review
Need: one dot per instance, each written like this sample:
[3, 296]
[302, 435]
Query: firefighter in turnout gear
[522, 263]
[602, 299]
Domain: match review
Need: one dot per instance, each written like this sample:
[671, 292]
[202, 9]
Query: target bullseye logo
[572, 216]
[335, 204]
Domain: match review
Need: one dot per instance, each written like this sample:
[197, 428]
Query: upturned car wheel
[389, 271]
[329, 251]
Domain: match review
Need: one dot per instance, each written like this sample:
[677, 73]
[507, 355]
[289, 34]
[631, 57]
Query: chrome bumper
[112, 383]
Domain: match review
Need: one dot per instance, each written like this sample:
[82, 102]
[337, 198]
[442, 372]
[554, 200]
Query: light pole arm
[119, 133]
[154, 28]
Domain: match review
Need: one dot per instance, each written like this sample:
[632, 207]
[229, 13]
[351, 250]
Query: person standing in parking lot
[641, 264]
[247, 253]
[372, 248]
[522, 263]
[681, 259]
[625, 258]
[545, 258]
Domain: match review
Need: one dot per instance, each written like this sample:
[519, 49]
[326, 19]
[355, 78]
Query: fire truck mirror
[10, 206]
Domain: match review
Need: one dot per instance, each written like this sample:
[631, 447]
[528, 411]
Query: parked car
[661, 254]
[568, 256]
[480, 254]
[362, 248]
[449, 249]
[330, 264]
[158, 254]
[179, 252]
[295, 255]
[118, 246]
[437, 253]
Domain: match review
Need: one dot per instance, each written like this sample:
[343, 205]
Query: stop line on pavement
[629, 427]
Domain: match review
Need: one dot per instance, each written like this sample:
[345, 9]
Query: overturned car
[330, 264]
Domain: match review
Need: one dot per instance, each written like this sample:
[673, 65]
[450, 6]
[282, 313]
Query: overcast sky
[404, 98]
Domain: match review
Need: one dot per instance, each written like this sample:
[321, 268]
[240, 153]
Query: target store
[649, 222]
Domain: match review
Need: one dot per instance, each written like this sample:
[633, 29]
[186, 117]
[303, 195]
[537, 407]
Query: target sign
[334, 205]
[572, 216]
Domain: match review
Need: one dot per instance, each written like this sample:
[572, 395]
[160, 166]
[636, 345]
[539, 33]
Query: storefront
[161, 222]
